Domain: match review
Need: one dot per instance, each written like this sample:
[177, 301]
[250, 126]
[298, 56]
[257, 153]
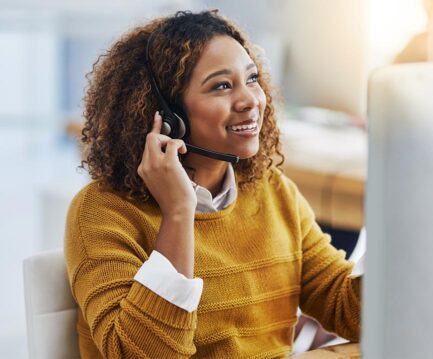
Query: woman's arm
[126, 319]
[328, 293]
[169, 184]
[175, 241]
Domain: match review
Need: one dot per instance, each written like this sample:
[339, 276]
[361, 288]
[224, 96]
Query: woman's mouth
[250, 129]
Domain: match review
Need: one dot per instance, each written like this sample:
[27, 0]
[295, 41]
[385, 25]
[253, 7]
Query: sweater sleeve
[126, 319]
[328, 293]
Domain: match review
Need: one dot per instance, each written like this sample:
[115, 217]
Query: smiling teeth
[243, 127]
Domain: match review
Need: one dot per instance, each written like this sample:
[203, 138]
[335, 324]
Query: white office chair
[51, 312]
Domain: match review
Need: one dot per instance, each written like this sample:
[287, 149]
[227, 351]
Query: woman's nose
[246, 99]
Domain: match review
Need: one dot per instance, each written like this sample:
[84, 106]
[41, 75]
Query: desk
[343, 351]
[329, 166]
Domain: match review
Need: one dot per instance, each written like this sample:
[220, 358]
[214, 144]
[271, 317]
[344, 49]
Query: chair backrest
[51, 311]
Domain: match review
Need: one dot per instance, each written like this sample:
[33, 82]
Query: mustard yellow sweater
[260, 258]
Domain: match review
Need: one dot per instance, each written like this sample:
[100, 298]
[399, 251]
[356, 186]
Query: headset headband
[173, 124]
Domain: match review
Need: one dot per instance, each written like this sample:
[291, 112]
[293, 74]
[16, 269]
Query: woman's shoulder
[95, 197]
[99, 217]
[286, 190]
[88, 196]
[94, 191]
[278, 181]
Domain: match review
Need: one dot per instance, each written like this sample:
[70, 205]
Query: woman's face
[223, 101]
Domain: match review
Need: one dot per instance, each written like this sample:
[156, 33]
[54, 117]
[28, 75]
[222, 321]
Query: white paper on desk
[358, 268]
[358, 255]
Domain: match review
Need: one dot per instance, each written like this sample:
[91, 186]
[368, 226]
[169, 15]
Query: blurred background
[319, 53]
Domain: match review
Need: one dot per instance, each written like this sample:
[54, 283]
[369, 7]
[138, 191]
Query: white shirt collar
[227, 195]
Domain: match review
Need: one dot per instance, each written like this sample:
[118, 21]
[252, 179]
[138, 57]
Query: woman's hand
[171, 187]
[163, 173]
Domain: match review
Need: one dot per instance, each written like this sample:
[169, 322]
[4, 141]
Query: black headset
[173, 125]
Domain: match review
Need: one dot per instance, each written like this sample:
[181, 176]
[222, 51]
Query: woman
[171, 254]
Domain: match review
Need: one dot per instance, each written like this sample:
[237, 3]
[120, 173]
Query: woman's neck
[206, 172]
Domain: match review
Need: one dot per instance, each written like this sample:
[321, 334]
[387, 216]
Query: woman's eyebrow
[225, 72]
[216, 73]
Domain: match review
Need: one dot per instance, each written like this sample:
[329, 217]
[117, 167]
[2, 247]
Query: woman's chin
[247, 153]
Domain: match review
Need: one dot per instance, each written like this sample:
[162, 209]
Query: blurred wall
[316, 50]
[327, 58]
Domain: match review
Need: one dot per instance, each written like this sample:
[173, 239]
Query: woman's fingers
[174, 147]
[157, 123]
[157, 143]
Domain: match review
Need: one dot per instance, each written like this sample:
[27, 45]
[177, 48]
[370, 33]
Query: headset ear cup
[182, 127]
[166, 128]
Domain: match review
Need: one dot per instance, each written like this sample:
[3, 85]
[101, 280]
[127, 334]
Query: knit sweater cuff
[160, 309]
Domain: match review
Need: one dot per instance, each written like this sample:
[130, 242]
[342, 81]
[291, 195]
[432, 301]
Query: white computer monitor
[398, 285]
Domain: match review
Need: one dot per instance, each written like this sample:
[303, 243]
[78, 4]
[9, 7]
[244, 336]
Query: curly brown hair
[119, 103]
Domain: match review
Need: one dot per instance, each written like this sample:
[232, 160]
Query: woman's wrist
[175, 241]
[182, 212]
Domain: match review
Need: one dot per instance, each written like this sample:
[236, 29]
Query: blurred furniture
[328, 164]
[416, 50]
[74, 128]
[51, 311]
[430, 39]
[342, 351]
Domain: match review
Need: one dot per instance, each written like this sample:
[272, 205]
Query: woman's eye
[253, 78]
[222, 86]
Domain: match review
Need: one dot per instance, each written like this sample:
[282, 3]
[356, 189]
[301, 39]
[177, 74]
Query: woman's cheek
[262, 99]
[262, 106]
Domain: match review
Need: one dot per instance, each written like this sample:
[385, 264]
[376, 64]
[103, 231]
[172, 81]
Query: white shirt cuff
[160, 276]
